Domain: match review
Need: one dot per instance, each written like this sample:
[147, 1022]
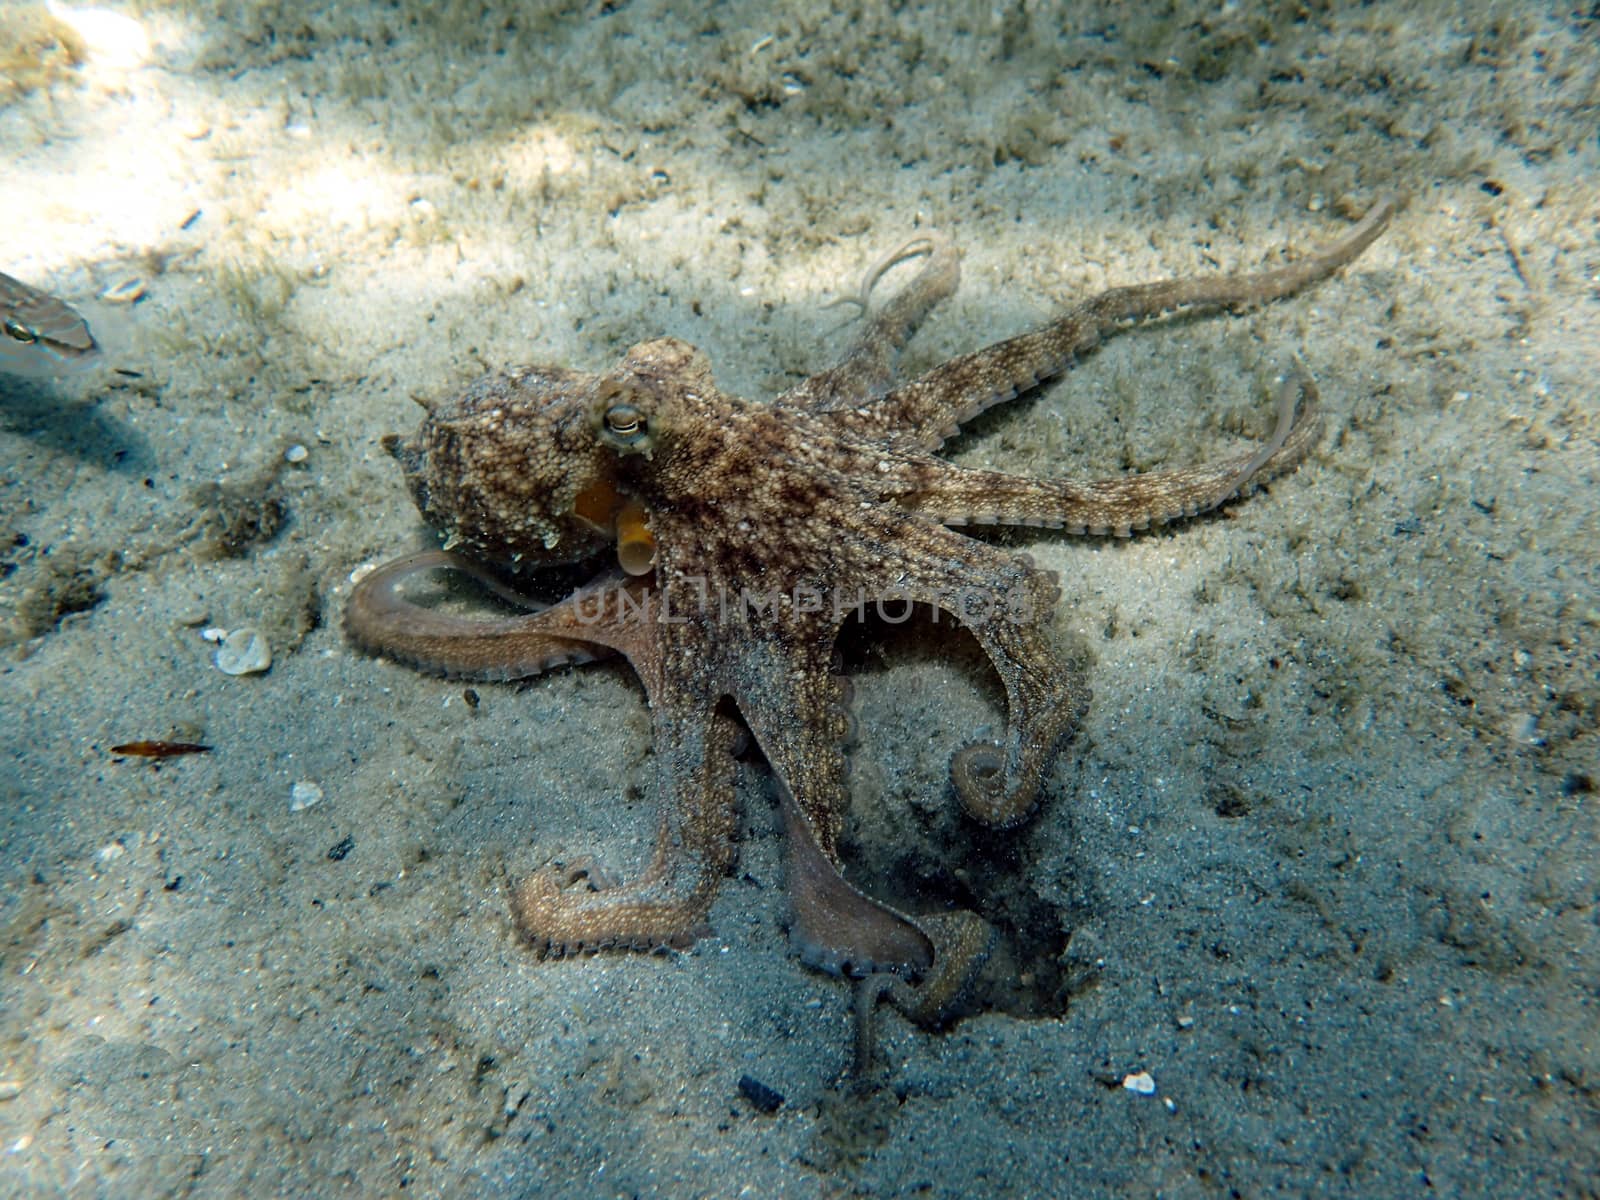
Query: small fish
[40, 336]
[147, 749]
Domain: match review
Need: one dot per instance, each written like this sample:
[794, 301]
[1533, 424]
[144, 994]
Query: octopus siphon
[733, 538]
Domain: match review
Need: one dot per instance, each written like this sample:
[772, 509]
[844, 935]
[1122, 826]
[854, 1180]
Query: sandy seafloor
[1324, 859]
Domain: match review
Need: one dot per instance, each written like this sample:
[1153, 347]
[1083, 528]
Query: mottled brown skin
[825, 497]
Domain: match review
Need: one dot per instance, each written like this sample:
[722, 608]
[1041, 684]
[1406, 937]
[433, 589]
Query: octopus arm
[570, 910]
[381, 620]
[932, 408]
[866, 371]
[563, 911]
[953, 495]
[1004, 602]
[796, 711]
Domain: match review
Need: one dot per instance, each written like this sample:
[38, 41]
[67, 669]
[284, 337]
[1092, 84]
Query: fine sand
[1323, 860]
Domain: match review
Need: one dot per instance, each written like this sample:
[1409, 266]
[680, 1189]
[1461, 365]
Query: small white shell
[243, 652]
[303, 795]
[129, 291]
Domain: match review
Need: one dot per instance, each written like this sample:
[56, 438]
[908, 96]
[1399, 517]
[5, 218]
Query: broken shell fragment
[243, 652]
[127, 291]
[303, 794]
[1140, 1082]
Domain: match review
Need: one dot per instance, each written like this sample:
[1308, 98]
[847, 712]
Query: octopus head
[541, 466]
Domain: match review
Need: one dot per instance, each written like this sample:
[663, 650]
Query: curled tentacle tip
[990, 791]
[978, 772]
[963, 943]
[916, 247]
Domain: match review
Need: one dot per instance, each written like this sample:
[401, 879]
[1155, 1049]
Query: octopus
[729, 541]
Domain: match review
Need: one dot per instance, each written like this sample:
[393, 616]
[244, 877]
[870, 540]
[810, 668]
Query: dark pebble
[761, 1097]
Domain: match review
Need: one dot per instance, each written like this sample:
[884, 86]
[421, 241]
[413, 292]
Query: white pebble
[303, 795]
[243, 652]
[296, 454]
[1141, 1083]
[1524, 728]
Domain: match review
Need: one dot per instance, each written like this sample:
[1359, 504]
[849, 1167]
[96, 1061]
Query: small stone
[296, 454]
[303, 795]
[10, 1089]
[243, 652]
[1140, 1082]
[516, 1097]
[762, 1098]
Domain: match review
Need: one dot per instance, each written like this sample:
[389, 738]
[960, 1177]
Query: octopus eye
[626, 423]
[623, 417]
